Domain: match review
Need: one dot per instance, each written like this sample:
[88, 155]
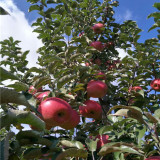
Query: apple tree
[82, 101]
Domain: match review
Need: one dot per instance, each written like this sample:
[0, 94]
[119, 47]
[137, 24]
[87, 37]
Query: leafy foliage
[67, 63]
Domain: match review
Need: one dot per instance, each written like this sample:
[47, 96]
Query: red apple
[112, 66]
[81, 34]
[155, 84]
[153, 158]
[91, 109]
[97, 61]
[97, 45]
[32, 90]
[98, 28]
[101, 75]
[41, 96]
[96, 89]
[55, 111]
[102, 140]
[87, 64]
[135, 88]
[73, 121]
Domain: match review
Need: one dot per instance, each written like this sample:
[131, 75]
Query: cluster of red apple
[92, 109]
[98, 45]
[155, 85]
[55, 111]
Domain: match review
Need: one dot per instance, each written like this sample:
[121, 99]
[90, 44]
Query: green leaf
[154, 26]
[11, 96]
[134, 112]
[119, 147]
[157, 5]
[151, 117]
[65, 80]
[19, 117]
[32, 153]
[68, 30]
[34, 69]
[73, 152]
[42, 81]
[19, 86]
[33, 7]
[59, 44]
[67, 143]
[3, 11]
[105, 129]
[7, 75]
[157, 113]
[141, 132]
[91, 144]
[155, 15]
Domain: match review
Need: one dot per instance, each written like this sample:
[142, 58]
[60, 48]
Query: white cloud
[127, 15]
[17, 26]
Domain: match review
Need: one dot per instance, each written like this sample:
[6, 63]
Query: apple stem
[93, 156]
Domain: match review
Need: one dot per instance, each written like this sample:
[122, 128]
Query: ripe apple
[153, 158]
[155, 84]
[55, 111]
[81, 34]
[98, 28]
[91, 109]
[72, 122]
[112, 66]
[102, 140]
[32, 90]
[97, 45]
[135, 88]
[96, 89]
[101, 75]
[97, 61]
[41, 96]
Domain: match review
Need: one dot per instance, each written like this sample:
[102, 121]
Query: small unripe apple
[153, 158]
[98, 28]
[55, 111]
[41, 96]
[91, 109]
[97, 45]
[72, 122]
[96, 89]
[155, 84]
